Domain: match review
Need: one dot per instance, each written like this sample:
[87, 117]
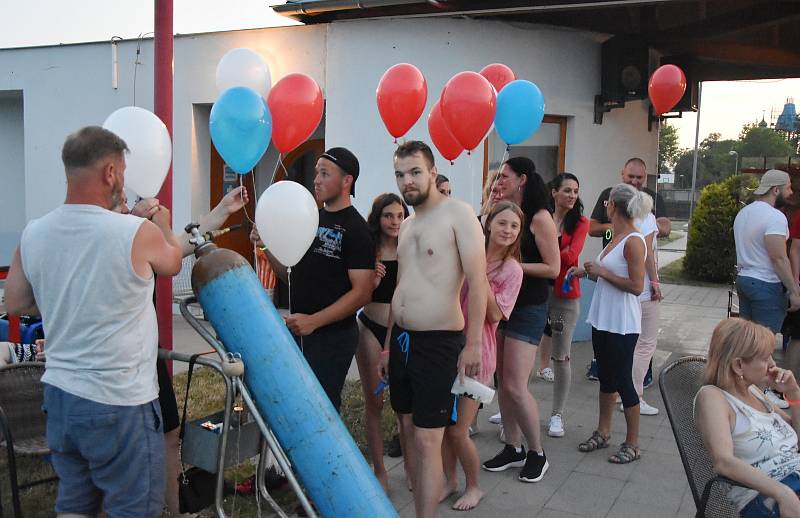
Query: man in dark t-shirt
[335, 276]
[634, 173]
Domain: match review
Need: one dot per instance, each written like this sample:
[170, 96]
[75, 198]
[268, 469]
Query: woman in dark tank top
[518, 338]
[388, 212]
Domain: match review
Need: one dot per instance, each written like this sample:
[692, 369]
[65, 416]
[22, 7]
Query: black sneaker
[507, 458]
[535, 467]
[393, 448]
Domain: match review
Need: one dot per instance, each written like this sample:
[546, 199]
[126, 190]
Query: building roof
[722, 39]
[788, 120]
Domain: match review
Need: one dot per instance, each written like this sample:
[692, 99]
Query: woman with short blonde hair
[749, 440]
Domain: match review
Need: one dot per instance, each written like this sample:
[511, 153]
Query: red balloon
[441, 135]
[498, 74]
[468, 106]
[667, 86]
[296, 105]
[402, 94]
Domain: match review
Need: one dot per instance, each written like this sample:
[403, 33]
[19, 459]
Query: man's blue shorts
[762, 302]
[105, 455]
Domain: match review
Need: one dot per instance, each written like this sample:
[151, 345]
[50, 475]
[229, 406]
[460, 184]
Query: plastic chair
[679, 383]
[22, 420]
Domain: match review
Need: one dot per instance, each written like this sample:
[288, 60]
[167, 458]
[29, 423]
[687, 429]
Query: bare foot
[384, 480]
[469, 500]
[448, 489]
[409, 483]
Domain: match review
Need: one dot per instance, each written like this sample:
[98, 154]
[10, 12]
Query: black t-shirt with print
[599, 213]
[343, 243]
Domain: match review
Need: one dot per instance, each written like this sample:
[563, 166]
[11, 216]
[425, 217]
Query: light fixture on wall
[115, 62]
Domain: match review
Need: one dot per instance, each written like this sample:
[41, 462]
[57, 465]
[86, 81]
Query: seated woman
[750, 441]
[15, 353]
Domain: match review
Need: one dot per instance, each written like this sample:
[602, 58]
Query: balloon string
[241, 194]
[289, 282]
[285, 172]
[275, 171]
[497, 177]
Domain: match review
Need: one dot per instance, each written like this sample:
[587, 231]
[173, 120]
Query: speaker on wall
[688, 102]
[625, 68]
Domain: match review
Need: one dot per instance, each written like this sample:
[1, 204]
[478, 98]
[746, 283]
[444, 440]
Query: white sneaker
[556, 426]
[546, 374]
[775, 399]
[645, 409]
[496, 419]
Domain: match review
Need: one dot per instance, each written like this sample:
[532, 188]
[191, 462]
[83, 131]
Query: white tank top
[612, 309]
[763, 439]
[97, 312]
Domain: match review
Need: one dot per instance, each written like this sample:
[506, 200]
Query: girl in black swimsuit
[388, 212]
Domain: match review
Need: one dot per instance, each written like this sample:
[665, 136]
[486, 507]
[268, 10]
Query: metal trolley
[232, 370]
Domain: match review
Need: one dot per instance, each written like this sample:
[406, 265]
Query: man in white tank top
[90, 272]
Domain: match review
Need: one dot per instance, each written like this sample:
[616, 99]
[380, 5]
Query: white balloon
[150, 148]
[287, 218]
[243, 67]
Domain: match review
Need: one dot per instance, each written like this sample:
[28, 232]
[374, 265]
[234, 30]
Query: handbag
[196, 487]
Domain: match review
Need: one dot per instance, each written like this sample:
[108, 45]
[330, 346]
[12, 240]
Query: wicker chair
[22, 421]
[679, 383]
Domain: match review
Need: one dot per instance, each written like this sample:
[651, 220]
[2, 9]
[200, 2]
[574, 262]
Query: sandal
[595, 442]
[627, 453]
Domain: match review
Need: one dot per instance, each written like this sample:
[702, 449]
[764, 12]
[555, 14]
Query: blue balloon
[520, 110]
[240, 127]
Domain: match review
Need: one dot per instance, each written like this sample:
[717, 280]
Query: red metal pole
[163, 109]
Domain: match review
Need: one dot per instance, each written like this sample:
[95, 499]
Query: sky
[725, 106]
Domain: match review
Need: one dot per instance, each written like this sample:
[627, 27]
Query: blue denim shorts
[762, 302]
[105, 455]
[526, 323]
[758, 508]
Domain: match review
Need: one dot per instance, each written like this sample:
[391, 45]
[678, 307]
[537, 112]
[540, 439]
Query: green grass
[673, 273]
[673, 236]
[206, 397]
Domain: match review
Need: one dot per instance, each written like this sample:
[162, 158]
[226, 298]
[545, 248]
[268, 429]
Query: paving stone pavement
[584, 484]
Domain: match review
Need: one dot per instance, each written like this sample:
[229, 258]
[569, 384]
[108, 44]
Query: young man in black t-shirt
[335, 276]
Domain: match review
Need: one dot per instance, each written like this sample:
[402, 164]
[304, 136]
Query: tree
[762, 142]
[711, 251]
[714, 162]
[668, 151]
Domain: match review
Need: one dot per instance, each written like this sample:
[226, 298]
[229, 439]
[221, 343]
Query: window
[547, 148]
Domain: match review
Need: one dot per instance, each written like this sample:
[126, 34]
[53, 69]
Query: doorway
[223, 180]
[547, 148]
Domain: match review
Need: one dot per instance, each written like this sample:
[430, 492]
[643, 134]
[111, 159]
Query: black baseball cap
[346, 160]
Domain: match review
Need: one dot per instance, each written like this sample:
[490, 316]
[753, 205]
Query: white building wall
[67, 87]
[70, 86]
[12, 164]
[565, 64]
[12, 173]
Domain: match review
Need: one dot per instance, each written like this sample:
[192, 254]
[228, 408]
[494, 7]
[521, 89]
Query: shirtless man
[439, 247]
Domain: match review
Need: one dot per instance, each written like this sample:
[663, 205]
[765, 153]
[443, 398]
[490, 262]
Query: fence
[678, 201]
